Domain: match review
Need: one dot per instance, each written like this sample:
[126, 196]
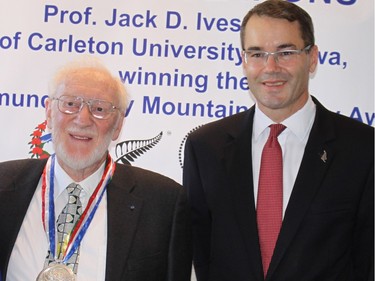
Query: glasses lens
[256, 57]
[69, 104]
[100, 109]
[288, 56]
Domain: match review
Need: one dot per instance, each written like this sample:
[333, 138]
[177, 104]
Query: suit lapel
[237, 158]
[315, 162]
[123, 214]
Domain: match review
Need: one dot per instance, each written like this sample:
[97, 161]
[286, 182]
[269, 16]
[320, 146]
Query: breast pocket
[326, 207]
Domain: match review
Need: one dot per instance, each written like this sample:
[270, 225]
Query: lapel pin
[132, 207]
[323, 157]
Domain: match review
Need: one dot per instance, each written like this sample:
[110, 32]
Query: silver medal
[56, 272]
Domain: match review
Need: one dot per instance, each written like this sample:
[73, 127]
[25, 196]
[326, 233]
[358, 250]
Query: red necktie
[270, 195]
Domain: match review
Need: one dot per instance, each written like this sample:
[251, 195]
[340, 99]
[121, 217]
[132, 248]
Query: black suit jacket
[327, 231]
[148, 221]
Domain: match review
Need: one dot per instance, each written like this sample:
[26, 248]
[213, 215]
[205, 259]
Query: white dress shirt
[30, 250]
[292, 141]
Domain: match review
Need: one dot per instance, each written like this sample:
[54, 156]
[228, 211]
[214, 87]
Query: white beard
[79, 162]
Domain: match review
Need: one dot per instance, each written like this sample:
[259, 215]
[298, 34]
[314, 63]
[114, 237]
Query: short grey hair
[67, 71]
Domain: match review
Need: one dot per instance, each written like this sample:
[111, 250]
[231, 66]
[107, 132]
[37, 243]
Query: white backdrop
[195, 42]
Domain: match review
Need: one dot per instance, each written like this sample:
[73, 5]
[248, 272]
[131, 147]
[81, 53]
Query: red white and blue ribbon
[83, 223]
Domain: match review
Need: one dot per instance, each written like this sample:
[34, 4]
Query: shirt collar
[299, 123]
[62, 180]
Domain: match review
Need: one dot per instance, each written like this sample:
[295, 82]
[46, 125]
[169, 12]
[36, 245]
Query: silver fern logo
[129, 150]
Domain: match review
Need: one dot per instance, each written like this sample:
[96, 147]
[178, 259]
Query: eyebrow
[282, 46]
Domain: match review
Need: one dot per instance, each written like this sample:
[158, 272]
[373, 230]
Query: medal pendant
[56, 272]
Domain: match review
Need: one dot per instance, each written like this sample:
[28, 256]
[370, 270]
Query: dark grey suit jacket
[149, 233]
[327, 232]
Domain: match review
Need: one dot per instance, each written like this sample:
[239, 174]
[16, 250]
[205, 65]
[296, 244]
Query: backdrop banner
[180, 61]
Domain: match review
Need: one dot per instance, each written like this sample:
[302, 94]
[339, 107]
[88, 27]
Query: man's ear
[118, 128]
[314, 53]
[48, 113]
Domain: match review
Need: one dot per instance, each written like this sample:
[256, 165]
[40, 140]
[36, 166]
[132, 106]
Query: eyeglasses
[100, 109]
[282, 57]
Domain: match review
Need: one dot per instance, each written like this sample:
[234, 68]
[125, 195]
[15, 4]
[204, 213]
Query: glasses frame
[83, 102]
[275, 54]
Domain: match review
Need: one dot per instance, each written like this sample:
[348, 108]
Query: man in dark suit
[134, 224]
[327, 217]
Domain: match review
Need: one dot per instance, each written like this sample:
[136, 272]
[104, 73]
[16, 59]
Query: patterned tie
[270, 195]
[64, 225]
